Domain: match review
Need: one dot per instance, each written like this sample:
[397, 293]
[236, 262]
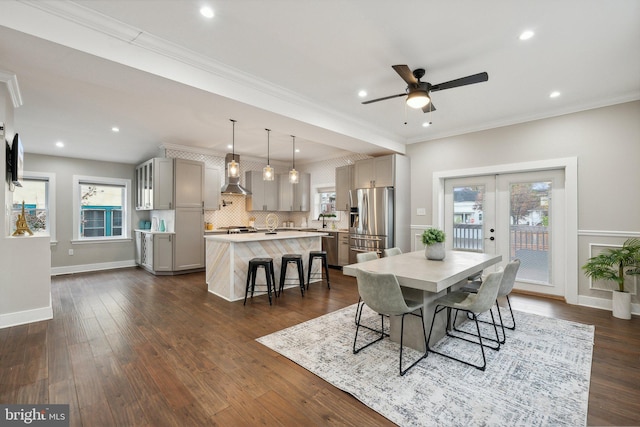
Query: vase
[434, 251]
[621, 302]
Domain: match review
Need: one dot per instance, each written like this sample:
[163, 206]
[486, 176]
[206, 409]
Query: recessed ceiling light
[115, 129]
[526, 35]
[59, 144]
[554, 94]
[426, 124]
[297, 150]
[229, 146]
[362, 93]
[207, 12]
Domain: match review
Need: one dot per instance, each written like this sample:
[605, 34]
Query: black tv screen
[17, 161]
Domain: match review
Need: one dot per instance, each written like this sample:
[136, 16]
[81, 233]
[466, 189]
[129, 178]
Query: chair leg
[382, 334]
[470, 317]
[268, 277]
[309, 268]
[301, 276]
[326, 271]
[247, 288]
[283, 273]
[513, 319]
[355, 319]
[424, 333]
[482, 367]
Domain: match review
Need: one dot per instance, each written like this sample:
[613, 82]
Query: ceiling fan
[417, 92]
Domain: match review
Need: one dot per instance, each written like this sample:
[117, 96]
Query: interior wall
[25, 261]
[86, 256]
[606, 142]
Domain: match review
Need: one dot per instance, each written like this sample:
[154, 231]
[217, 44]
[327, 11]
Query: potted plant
[613, 264]
[433, 240]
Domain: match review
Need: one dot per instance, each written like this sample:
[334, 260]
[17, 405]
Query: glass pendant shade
[293, 176]
[233, 167]
[293, 173]
[267, 172]
[418, 99]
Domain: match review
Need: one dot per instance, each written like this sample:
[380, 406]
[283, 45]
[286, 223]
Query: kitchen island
[228, 255]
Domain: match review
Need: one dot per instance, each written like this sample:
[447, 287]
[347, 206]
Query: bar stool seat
[254, 264]
[323, 256]
[291, 259]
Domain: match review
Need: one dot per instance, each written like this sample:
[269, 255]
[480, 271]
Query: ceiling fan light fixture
[418, 99]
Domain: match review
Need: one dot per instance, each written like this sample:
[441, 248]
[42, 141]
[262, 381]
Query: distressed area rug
[540, 377]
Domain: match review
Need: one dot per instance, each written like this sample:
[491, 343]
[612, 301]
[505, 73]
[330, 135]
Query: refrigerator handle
[365, 213]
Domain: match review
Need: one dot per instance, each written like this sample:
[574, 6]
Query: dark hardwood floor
[126, 348]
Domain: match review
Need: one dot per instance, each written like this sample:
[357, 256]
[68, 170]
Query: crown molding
[11, 81]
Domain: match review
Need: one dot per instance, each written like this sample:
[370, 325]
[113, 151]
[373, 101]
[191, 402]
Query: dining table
[426, 280]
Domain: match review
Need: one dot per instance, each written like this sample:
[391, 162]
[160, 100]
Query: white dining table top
[413, 270]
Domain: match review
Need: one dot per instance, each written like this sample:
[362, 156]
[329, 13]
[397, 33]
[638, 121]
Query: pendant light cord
[294, 151]
[268, 159]
[233, 141]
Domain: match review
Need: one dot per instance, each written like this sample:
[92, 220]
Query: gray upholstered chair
[363, 257]
[506, 286]
[391, 252]
[474, 304]
[381, 292]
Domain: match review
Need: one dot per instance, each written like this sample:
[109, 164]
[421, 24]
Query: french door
[516, 215]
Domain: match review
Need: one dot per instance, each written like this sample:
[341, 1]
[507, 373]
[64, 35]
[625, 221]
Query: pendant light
[293, 173]
[267, 171]
[233, 168]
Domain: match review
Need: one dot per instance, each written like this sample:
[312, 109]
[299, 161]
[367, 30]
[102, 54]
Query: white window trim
[51, 199]
[126, 219]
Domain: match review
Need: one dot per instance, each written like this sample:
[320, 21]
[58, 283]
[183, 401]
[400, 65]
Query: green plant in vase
[433, 240]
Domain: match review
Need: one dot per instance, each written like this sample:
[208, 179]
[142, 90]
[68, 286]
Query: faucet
[324, 224]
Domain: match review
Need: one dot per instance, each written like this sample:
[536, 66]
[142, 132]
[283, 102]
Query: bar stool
[323, 256]
[254, 264]
[291, 259]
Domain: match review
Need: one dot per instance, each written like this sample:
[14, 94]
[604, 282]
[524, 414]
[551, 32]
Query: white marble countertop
[258, 237]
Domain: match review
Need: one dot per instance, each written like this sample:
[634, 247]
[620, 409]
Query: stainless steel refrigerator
[371, 222]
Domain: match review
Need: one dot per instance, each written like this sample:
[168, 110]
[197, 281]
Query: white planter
[621, 305]
[434, 251]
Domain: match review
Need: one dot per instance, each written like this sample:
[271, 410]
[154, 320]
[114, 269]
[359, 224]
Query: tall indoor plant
[433, 240]
[613, 264]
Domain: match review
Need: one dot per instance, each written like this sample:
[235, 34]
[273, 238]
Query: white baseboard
[83, 268]
[27, 316]
[603, 304]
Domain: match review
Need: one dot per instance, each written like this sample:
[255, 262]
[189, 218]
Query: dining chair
[391, 252]
[506, 286]
[381, 292]
[474, 304]
[363, 257]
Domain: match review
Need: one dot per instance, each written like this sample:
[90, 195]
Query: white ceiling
[166, 75]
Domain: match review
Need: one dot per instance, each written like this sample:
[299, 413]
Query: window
[38, 194]
[101, 208]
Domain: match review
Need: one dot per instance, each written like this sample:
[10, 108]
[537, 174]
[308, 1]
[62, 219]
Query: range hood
[232, 185]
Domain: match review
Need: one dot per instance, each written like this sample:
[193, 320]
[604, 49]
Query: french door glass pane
[530, 234]
[467, 218]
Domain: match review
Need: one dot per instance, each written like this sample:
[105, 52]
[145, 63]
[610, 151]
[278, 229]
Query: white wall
[25, 262]
[606, 142]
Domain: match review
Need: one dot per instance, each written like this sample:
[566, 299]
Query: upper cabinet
[189, 183]
[264, 194]
[344, 183]
[375, 172]
[211, 188]
[294, 197]
[154, 184]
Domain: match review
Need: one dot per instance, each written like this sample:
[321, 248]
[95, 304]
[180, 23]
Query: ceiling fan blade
[463, 81]
[406, 74]
[428, 108]
[386, 97]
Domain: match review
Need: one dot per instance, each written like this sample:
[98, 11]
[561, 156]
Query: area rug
[540, 377]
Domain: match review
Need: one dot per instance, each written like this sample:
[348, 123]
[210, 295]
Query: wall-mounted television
[16, 163]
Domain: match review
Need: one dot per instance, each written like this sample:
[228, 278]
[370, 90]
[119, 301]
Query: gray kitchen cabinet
[375, 172]
[188, 245]
[189, 183]
[154, 184]
[211, 188]
[154, 251]
[343, 249]
[162, 252]
[344, 183]
[294, 197]
[264, 194]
